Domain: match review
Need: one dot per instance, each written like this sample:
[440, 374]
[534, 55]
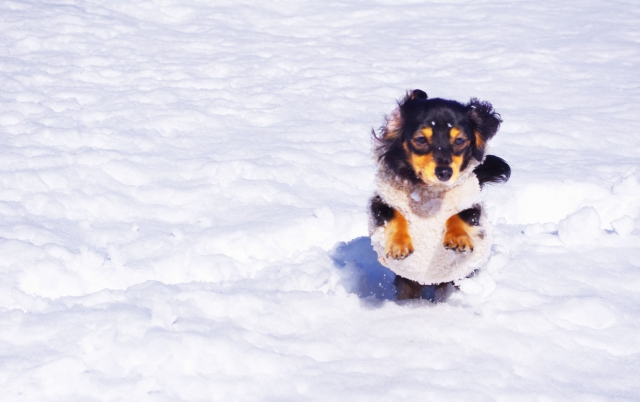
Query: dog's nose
[443, 173]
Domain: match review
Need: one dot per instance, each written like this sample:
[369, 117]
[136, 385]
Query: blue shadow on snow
[363, 275]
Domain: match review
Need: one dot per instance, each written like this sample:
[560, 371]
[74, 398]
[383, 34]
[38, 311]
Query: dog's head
[431, 141]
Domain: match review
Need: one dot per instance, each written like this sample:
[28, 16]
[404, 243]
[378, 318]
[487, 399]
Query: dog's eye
[459, 141]
[420, 141]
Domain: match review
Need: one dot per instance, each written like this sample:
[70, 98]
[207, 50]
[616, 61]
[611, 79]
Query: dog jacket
[427, 209]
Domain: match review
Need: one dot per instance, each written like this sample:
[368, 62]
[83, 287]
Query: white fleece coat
[427, 209]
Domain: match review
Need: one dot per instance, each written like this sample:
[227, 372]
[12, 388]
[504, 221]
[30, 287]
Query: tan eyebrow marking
[427, 132]
[454, 133]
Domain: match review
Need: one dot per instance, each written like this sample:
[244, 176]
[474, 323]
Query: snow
[580, 228]
[183, 190]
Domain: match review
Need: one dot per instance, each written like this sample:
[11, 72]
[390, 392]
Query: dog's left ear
[484, 123]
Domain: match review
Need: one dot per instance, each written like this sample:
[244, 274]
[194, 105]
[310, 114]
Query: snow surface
[183, 193]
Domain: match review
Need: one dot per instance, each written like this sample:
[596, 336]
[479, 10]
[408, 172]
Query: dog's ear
[484, 122]
[393, 127]
[418, 94]
[388, 135]
[391, 132]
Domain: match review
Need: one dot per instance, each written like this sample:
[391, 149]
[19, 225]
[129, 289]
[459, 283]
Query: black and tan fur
[430, 142]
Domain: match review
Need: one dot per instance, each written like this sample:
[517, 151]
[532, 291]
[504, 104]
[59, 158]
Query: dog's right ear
[393, 127]
[418, 94]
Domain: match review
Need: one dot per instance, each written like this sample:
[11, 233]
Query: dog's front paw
[460, 242]
[399, 247]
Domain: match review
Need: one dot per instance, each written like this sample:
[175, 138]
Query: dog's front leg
[459, 228]
[398, 244]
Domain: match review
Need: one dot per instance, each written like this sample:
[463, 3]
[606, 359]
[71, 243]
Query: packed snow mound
[581, 227]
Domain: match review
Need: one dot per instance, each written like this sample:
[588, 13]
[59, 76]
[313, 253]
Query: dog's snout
[443, 173]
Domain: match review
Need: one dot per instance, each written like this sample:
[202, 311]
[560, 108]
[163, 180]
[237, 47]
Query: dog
[431, 167]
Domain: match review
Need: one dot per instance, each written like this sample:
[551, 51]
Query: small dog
[426, 218]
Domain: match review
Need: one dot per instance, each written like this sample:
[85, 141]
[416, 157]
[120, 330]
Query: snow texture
[183, 191]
